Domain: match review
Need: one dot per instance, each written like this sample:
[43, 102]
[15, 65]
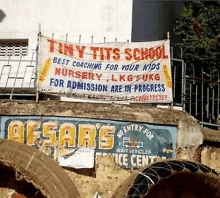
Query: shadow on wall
[2, 16]
[151, 20]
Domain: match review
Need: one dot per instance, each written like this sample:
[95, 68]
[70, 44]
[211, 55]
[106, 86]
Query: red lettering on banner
[122, 78]
[151, 77]
[138, 77]
[158, 52]
[164, 55]
[71, 73]
[101, 54]
[80, 50]
[65, 48]
[64, 72]
[108, 52]
[51, 45]
[94, 49]
[136, 54]
[116, 54]
[130, 78]
[157, 77]
[84, 75]
[144, 53]
[77, 74]
[57, 71]
[91, 76]
[151, 53]
[127, 52]
[113, 77]
[60, 48]
[68, 49]
[99, 76]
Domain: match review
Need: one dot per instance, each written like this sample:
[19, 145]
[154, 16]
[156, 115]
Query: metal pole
[190, 100]
[210, 117]
[194, 74]
[8, 75]
[213, 103]
[8, 72]
[26, 69]
[9, 59]
[183, 85]
[213, 96]
[202, 106]
[207, 107]
[168, 35]
[12, 91]
[181, 53]
[196, 100]
[218, 95]
[66, 37]
[36, 69]
[174, 81]
[79, 38]
[171, 52]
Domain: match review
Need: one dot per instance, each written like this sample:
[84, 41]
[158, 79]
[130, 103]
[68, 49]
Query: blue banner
[133, 144]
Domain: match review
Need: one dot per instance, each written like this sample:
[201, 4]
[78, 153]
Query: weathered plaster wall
[107, 176]
[189, 130]
[210, 156]
[210, 149]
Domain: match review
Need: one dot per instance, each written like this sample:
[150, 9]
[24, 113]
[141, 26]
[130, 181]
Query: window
[13, 47]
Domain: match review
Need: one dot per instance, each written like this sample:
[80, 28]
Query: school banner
[132, 72]
[74, 142]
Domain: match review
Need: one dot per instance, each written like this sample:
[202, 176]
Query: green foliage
[199, 28]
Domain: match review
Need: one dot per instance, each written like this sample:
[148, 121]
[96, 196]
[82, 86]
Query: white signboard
[132, 72]
[81, 158]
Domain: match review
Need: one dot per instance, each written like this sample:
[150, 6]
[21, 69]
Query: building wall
[106, 18]
[83, 21]
[151, 20]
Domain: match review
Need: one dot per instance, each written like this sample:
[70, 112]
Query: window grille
[13, 47]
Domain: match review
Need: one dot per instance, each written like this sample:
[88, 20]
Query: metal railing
[195, 91]
[17, 76]
[202, 94]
